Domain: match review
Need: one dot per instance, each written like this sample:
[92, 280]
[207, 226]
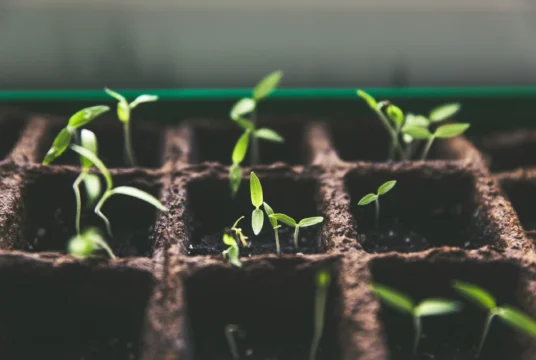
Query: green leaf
[394, 298]
[123, 112]
[407, 138]
[386, 187]
[96, 161]
[444, 112]
[269, 211]
[60, 144]
[241, 148]
[267, 85]
[88, 141]
[268, 134]
[245, 124]
[369, 99]
[323, 278]
[139, 194]
[93, 187]
[235, 178]
[285, 219]
[416, 120]
[395, 114]
[310, 221]
[431, 307]
[476, 294]
[242, 107]
[143, 99]
[86, 115]
[229, 240]
[367, 199]
[257, 221]
[518, 320]
[233, 255]
[256, 190]
[117, 96]
[417, 132]
[451, 130]
[237, 221]
[81, 247]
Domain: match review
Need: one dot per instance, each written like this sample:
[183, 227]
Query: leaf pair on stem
[382, 190]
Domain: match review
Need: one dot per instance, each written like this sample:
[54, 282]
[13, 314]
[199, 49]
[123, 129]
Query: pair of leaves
[442, 132]
[124, 108]
[287, 220]
[383, 189]
[257, 217]
[64, 138]
[232, 253]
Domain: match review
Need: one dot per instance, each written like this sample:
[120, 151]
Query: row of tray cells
[274, 306]
[427, 208]
[214, 141]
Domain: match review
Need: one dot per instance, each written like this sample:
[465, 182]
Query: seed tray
[170, 294]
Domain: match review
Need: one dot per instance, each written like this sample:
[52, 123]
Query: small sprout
[382, 190]
[64, 138]
[84, 244]
[508, 314]
[229, 331]
[287, 220]
[323, 279]
[273, 221]
[239, 152]
[442, 132]
[110, 190]
[238, 232]
[427, 307]
[232, 253]
[124, 110]
[444, 112]
[257, 217]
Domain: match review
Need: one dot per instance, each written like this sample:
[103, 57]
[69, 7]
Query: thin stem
[103, 244]
[320, 306]
[254, 155]
[229, 330]
[427, 148]
[377, 220]
[76, 189]
[129, 151]
[394, 138]
[417, 325]
[392, 145]
[277, 241]
[98, 208]
[490, 317]
[296, 233]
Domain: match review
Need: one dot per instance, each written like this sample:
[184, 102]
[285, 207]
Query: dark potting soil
[264, 243]
[393, 237]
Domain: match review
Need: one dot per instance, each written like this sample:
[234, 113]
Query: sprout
[110, 190]
[442, 132]
[123, 113]
[257, 217]
[86, 243]
[273, 221]
[323, 279]
[287, 220]
[367, 199]
[238, 232]
[427, 307]
[239, 112]
[508, 314]
[229, 331]
[64, 138]
[232, 252]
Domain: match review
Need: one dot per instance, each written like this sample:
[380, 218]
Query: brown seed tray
[163, 300]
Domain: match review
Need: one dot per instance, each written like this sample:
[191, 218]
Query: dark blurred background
[214, 43]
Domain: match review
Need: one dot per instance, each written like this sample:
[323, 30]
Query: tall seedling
[124, 109]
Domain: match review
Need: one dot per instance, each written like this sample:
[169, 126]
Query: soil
[395, 237]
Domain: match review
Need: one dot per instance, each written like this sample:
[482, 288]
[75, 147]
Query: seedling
[124, 109]
[232, 252]
[273, 221]
[382, 190]
[110, 190]
[323, 279]
[91, 181]
[65, 136]
[442, 132]
[287, 220]
[84, 244]
[238, 232]
[229, 332]
[239, 114]
[427, 307]
[508, 314]
[257, 217]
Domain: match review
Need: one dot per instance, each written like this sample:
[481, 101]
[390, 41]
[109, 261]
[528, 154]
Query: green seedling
[382, 190]
[427, 307]
[323, 279]
[287, 220]
[232, 252]
[65, 136]
[244, 108]
[91, 182]
[238, 232]
[110, 190]
[229, 332]
[442, 132]
[508, 314]
[124, 109]
[84, 244]
[257, 217]
[273, 221]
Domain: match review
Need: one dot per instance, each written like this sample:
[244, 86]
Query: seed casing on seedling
[382, 190]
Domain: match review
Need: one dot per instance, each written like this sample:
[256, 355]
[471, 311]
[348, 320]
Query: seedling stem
[323, 279]
[230, 330]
